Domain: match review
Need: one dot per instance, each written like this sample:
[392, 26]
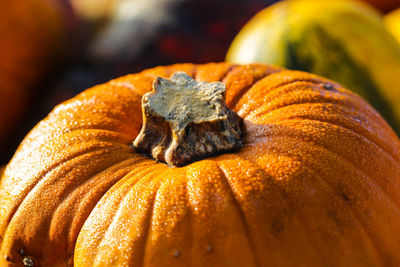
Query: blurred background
[53, 49]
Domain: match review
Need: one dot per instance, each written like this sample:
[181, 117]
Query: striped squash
[340, 39]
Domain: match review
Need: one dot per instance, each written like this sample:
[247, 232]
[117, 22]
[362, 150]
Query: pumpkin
[339, 39]
[314, 182]
[392, 22]
[31, 34]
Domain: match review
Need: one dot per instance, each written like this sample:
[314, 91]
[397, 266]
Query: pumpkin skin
[315, 184]
[339, 39]
[31, 41]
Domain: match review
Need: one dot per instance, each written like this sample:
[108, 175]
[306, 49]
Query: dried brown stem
[185, 120]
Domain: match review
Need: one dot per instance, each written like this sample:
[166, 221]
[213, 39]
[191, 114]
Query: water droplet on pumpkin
[28, 261]
[328, 86]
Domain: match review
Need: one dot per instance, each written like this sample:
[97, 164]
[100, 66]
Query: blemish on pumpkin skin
[177, 253]
[328, 86]
[28, 262]
[21, 252]
[345, 197]
[277, 227]
[209, 248]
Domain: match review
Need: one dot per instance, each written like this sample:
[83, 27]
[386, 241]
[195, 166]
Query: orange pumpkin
[31, 33]
[316, 182]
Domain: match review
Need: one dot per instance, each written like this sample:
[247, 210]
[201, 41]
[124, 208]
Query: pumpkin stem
[185, 120]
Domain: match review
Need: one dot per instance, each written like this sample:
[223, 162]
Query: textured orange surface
[315, 184]
[30, 32]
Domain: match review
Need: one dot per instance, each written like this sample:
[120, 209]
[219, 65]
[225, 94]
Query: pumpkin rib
[307, 117]
[124, 192]
[329, 185]
[149, 223]
[300, 102]
[328, 102]
[308, 229]
[95, 175]
[193, 201]
[237, 97]
[114, 127]
[191, 214]
[123, 84]
[326, 181]
[41, 179]
[244, 90]
[114, 133]
[127, 191]
[142, 170]
[353, 211]
[138, 162]
[396, 205]
[274, 91]
[283, 92]
[390, 199]
[231, 68]
[42, 144]
[126, 164]
[41, 176]
[282, 189]
[301, 218]
[298, 138]
[369, 113]
[241, 213]
[378, 146]
[163, 71]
